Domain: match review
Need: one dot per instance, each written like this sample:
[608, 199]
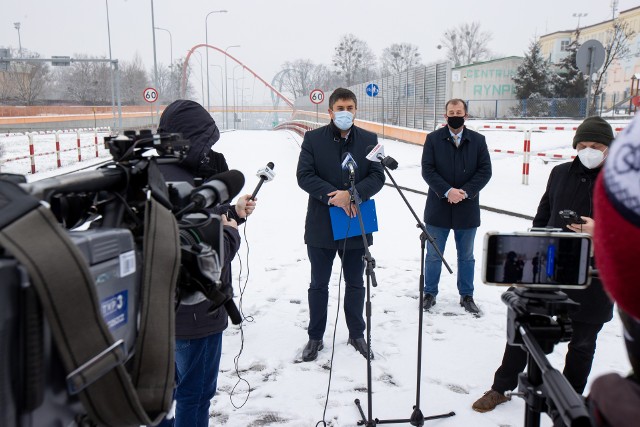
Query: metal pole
[113, 97]
[206, 41]
[155, 62]
[117, 70]
[16, 25]
[590, 79]
[235, 100]
[170, 43]
[226, 87]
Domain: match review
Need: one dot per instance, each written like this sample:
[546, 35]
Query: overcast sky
[272, 32]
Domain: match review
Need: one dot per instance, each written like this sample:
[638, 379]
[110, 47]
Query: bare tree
[466, 44]
[133, 81]
[28, 79]
[353, 59]
[87, 83]
[298, 77]
[616, 47]
[400, 57]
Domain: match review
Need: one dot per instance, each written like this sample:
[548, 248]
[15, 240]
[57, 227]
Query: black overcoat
[570, 186]
[445, 166]
[319, 172]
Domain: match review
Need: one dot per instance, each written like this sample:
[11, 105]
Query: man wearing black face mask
[456, 166]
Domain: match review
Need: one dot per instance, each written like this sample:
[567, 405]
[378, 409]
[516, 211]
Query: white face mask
[590, 157]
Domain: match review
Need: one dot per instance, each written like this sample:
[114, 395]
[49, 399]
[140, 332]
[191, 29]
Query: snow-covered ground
[460, 352]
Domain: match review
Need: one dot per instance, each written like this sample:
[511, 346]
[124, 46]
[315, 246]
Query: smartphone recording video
[537, 260]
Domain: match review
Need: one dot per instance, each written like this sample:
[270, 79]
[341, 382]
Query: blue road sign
[373, 89]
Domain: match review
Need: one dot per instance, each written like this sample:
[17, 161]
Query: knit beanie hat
[593, 129]
[617, 215]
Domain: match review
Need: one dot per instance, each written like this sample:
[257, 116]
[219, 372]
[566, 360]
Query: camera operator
[614, 400]
[198, 332]
[570, 186]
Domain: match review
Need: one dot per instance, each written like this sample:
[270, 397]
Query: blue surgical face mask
[343, 119]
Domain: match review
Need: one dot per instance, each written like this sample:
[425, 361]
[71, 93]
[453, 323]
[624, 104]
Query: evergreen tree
[533, 75]
[569, 82]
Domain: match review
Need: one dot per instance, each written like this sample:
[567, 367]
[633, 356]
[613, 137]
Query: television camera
[92, 266]
[538, 312]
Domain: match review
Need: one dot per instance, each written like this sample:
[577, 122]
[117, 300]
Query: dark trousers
[577, 364]
[353, 268]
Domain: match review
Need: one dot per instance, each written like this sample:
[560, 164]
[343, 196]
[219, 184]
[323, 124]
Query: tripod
[537, 321]
[417, 418]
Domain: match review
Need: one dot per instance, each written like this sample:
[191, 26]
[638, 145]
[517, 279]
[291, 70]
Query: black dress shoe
[311, 350]
[360, 344]
[469, 305]
[428, 301]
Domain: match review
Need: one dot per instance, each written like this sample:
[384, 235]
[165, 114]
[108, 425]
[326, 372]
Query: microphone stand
[417, 418]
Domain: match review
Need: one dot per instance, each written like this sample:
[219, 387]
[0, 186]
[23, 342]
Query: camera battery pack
[112, 260]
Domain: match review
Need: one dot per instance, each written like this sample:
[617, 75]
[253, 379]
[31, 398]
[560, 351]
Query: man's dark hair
[342, 93]
[456, 101]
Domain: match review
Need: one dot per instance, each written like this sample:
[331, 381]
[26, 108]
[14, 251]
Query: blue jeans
[353, 267]
[197, 366]
[464, 246]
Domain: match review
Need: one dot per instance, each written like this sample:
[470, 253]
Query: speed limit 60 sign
[316, 96]
[150, 94]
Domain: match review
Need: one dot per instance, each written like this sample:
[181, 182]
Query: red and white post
[78, 145]
[526, 156]
[32, 153]
[58, 149]
[95, 140]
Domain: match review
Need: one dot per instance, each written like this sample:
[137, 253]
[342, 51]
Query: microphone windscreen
[344, 155]
[232, 179]
[270, 165]
[369, 148]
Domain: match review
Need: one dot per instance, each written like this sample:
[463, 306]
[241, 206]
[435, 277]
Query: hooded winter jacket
[196, 124]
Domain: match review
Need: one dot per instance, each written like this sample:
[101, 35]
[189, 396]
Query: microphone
[265, 174]
[348, 163]
[221, 188]
[376, 154]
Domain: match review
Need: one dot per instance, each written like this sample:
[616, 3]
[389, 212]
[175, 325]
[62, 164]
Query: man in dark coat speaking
[320, 174]
[456, 166]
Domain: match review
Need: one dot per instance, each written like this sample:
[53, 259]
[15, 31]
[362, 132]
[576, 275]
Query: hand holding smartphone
[570, 217]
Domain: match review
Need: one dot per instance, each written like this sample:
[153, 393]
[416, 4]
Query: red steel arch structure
[183, 85]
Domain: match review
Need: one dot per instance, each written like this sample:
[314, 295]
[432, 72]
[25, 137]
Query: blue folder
[344, 226]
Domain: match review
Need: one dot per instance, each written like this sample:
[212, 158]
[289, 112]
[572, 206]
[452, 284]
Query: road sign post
[589, 58]
[316, 96]
[150, 95]
[373, 90]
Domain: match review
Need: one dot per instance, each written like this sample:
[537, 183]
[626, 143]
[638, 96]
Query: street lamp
[235, 101]
[221, 84]
[206, 41]
[16, 25]
[170, 43]
[226, 86]
[579, 15]
[201, 74]
[155, 62]
[113, 90]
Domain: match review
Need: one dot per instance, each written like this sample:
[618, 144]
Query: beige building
[617, 80]
[487, 86]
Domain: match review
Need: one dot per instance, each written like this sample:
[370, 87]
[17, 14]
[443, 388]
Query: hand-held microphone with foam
[265, 174]
[349, 164]
[376, 154]
[221, 188]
